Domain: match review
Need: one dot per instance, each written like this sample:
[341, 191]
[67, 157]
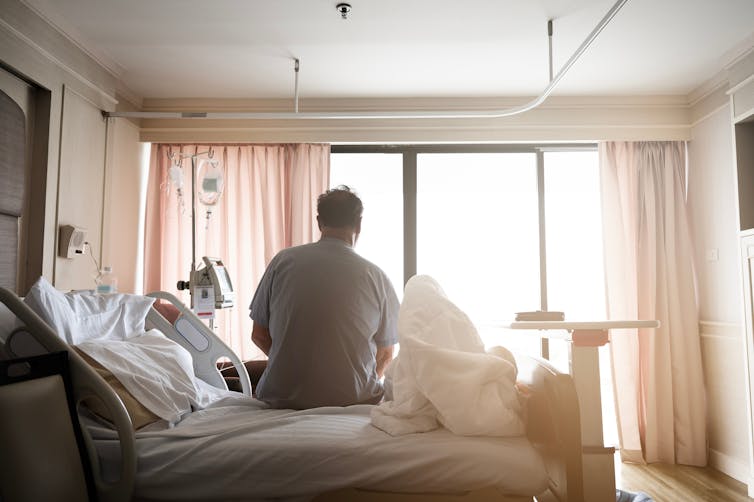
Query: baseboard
[733, 467]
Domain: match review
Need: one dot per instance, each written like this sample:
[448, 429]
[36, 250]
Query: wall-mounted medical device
[210, 288]
[71, 241]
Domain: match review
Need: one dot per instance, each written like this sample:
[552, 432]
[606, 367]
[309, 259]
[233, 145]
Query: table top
[580, 325]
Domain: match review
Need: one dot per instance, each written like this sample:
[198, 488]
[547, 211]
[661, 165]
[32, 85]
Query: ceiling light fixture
[343, 9]
[296, 115]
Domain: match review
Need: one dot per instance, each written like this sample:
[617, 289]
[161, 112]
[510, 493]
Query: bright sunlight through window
[378, 181]
[478, 234]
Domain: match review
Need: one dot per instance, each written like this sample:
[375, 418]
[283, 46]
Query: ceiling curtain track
[296, 115]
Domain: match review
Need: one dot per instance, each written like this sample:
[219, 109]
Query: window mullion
[545, 346]
[409, 215]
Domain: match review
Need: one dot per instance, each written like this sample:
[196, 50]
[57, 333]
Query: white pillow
[134, 310]
[80, 316]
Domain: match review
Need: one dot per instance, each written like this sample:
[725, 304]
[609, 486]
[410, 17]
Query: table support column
[598, 460]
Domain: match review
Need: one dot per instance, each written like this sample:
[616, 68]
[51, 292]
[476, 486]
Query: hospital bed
[238, 449]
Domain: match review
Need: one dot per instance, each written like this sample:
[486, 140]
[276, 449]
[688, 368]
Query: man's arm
[260, 335]
[384, 356]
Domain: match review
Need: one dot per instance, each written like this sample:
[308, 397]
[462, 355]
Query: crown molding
[133, 100]
[711, 86]
[59, 63]
[70, 33]
[740, 52]
[450, 104]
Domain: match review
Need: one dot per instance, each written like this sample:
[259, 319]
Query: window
[573, 226]
[502, 228]
[477, 230]
[378, 181]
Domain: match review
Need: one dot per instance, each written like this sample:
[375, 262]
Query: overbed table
[585, 338]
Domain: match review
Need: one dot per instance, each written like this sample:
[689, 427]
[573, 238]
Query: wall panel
[80, 186]
[124, 184]
[726, 398]
[713, 216]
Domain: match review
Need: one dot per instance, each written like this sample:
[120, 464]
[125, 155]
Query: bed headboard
[12, 172]
[554, 426]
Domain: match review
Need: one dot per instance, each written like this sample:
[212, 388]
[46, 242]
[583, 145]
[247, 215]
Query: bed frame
[553, 424]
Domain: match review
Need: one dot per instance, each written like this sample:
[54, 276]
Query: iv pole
[193, 215]
[193, 156]
[209, 153]
[210, 287]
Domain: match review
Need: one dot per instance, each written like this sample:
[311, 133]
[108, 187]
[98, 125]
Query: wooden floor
[679, 483]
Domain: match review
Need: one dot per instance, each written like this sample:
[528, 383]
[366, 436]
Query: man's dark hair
[339, 207]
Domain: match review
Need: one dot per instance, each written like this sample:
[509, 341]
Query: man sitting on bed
[325, 316]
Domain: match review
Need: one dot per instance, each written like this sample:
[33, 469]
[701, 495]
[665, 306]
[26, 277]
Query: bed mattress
[238, 449]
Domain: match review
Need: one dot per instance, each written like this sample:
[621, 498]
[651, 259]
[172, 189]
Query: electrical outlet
[712, 254]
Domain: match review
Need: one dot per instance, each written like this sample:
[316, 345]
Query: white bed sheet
[238, 449]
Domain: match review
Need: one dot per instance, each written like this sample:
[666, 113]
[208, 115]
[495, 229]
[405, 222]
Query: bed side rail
[86, 384]
[205, 347]
[553, 425]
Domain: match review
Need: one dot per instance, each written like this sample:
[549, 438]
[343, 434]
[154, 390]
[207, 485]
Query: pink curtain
[268, 204]
[658, 379]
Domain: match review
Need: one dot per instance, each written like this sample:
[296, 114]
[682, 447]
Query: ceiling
[409, 48]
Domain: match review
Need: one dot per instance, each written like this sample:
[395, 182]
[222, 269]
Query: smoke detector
[343, 9]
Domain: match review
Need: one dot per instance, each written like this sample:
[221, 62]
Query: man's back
[327, 309]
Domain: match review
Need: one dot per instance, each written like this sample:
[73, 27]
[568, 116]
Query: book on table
[540, 315]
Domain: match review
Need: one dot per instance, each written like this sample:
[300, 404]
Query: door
[22, 181]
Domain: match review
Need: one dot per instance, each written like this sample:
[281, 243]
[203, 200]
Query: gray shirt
[327, 310]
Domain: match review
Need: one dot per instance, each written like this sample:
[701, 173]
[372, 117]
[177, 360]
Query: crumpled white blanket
[442, 375]
[157, 371]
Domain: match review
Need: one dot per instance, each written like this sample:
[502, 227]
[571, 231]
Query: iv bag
[212, 182]
[175, 181]
[175, 174]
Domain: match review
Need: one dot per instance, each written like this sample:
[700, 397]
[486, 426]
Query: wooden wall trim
[709, 329]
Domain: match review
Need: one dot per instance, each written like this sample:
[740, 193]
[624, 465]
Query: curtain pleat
[268, 204]
[657, 373]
